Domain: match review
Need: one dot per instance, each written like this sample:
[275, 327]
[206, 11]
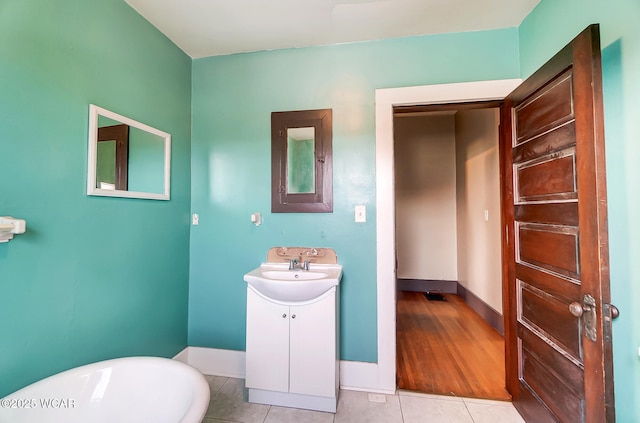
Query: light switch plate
[195, 219]
[361, 214]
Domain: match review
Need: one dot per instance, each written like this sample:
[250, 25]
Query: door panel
[547, 109]
[557, 213]
[542, 313]
[555, 246]
[550, 386]
[570, 369]
[558, 139]
[552, 177]
[552, 284]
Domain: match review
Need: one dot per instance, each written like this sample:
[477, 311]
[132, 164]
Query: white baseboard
[354, 375]
[361, 376]
[183, 356]
[213, 361]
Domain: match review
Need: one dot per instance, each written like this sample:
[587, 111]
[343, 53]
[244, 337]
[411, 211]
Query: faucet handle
[293, 263]
[305, 265]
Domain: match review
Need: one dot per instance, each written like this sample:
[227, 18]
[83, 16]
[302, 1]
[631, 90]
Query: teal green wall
[93, 277]
[549, 27]
[233, 97]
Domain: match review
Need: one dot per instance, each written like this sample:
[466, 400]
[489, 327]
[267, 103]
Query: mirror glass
[301, 159]
[127, 158]
[106, 165]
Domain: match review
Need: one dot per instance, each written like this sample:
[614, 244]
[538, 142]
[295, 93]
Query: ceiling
[204, 28]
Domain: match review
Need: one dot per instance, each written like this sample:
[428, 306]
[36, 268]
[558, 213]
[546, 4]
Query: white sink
[276, 281]
[291, 275]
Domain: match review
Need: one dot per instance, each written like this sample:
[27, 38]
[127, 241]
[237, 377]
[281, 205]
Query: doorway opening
[383, 374]
[552, 157]
[448, 250]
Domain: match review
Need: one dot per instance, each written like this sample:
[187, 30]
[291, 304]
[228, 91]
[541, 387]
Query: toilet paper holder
[10, 226]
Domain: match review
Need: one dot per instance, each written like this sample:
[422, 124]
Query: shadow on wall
[622, 292]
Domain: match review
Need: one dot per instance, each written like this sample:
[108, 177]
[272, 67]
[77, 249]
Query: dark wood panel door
[555, 246]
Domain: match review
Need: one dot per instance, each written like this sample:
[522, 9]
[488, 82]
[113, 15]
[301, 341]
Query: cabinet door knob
[284, 315]
[293, 316]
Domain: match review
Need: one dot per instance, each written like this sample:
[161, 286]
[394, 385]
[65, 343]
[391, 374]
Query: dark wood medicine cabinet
[119, 135]
[301, 162]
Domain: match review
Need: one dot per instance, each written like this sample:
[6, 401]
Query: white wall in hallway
[478, 199]
[425, 182]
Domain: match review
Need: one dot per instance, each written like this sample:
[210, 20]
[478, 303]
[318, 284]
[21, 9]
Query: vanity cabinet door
[313, 347]
[267, 359]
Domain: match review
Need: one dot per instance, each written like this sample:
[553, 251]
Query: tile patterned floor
[229, 404]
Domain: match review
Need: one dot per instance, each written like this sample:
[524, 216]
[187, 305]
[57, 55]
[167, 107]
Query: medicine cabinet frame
[320, 200]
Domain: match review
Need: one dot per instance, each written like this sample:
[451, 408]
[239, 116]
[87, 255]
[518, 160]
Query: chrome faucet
[295, 264]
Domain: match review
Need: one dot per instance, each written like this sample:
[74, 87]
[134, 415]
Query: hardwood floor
[445, 348]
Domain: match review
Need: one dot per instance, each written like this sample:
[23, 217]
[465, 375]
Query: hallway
[445, 348]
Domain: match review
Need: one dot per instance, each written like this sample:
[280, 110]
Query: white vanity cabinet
[292, 351]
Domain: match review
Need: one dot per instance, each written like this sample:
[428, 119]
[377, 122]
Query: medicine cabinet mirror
[301, 162]
[127, 158]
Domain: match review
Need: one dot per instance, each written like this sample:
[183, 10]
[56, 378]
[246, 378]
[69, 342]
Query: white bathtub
[123, 390]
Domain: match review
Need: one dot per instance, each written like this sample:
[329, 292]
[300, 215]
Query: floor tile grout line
[267, 415]
[466, 407]
[401, 409]
[212, 394]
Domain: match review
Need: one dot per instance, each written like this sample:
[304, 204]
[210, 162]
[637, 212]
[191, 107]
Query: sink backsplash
[314, 255]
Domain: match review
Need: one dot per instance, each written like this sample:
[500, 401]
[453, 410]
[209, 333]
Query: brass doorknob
[576, 309]
[614, 312]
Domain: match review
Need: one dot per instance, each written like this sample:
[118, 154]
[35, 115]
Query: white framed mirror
[127, 158]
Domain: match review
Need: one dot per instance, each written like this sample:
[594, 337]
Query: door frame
[385, 100]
